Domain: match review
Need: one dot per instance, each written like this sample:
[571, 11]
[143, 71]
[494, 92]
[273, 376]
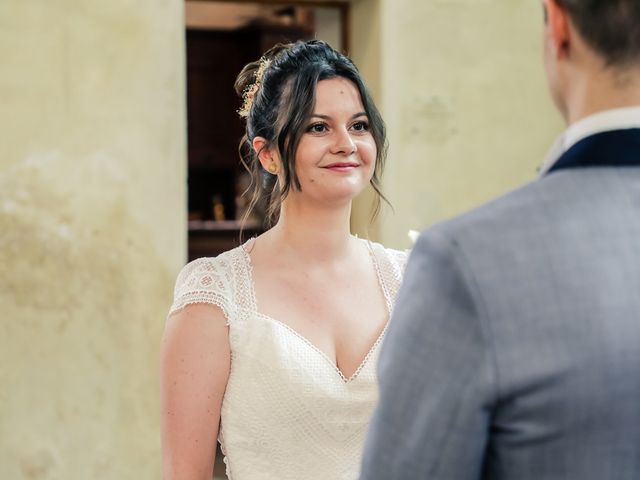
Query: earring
[272, 168]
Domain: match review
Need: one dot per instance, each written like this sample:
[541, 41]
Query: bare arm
[195, 361]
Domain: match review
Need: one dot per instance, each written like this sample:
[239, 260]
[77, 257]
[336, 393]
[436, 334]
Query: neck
[601, 89]
[311, 233]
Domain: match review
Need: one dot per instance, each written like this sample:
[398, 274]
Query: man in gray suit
[514, 349]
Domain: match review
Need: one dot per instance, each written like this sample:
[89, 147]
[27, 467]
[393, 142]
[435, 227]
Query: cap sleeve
[205, 280]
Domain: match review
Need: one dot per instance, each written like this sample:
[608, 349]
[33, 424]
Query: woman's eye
[317, 128]
[361, 126]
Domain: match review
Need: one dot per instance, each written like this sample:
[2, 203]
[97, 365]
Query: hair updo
[278, 91]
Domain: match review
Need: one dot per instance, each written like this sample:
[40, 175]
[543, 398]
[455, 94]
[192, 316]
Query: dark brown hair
[610, 27]
[282, 106]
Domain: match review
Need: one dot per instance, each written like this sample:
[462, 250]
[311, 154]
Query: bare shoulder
[197, 318]
[196, 337]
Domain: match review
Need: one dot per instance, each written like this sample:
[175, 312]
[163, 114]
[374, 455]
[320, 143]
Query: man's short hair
[610, 27]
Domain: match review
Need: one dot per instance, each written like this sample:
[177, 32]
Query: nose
[344, 143]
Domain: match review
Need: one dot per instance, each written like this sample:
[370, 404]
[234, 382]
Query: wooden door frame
[343, 6]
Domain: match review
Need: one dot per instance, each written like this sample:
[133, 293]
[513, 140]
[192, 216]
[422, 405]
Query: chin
[334, 191]
[339, 196]
[351, 189]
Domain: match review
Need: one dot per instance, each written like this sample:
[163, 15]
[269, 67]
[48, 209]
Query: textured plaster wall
[92, 215]
[465, 98]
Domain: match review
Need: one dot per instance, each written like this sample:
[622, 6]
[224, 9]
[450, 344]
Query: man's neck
[595, 92]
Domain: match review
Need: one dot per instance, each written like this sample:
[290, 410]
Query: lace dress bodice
[288, 412]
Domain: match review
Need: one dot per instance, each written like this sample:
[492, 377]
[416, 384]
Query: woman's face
[336, 155]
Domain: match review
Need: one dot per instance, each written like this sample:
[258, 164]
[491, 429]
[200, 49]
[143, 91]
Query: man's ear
[558, 28]
[268, 159]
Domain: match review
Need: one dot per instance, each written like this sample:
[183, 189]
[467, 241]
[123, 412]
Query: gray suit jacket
[514, 349]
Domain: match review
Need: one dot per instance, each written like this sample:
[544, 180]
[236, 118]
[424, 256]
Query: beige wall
[92, 215]
[463, 92]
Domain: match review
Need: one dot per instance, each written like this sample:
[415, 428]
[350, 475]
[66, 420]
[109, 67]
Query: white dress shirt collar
[616, 119]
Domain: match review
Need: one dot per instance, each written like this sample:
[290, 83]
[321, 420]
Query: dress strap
[390, 264]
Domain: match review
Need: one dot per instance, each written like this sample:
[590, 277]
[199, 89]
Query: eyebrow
[328, 117]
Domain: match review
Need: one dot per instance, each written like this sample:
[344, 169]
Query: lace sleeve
[205, 280]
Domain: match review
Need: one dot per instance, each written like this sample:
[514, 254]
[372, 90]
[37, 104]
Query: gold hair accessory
[250, 92]
[272, 168]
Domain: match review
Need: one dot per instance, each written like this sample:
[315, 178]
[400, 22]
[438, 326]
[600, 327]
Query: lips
[342, 166]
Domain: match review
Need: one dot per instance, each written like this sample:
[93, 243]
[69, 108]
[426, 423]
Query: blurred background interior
[118, 164]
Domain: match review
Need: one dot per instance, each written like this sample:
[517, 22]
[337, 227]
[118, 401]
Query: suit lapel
[616, 148]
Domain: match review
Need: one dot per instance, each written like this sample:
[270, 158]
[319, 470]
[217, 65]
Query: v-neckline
[376, 343]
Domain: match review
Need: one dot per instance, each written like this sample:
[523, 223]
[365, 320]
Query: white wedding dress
[288, 412]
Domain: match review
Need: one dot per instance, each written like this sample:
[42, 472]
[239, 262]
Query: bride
[270, 348]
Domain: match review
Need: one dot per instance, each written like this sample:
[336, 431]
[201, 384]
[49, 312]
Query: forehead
[338, 92]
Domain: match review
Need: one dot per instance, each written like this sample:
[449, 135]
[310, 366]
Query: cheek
[368, 151]
[307, 153]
